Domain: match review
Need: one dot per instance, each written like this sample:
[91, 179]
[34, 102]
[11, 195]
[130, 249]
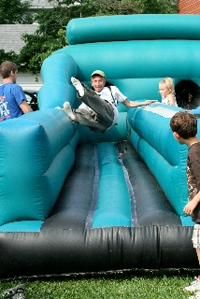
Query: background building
[189, 6]
[10, 40]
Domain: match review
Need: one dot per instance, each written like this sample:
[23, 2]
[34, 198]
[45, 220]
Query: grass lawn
[138, 286]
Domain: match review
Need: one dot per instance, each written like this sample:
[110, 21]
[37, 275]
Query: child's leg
[103, 109]
[89, 119]
[196, 240]
[84, 117]
[195, 285]
[198, 254]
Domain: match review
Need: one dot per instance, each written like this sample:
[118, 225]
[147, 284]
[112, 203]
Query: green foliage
[8, 56]
[15, 12]
[119, 7]
[86, 8]
[156, 6]
[77, 8]
[124, 287]
[38, 47]
[50, 35]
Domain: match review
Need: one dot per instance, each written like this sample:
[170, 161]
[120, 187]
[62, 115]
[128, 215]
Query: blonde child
[166, 89]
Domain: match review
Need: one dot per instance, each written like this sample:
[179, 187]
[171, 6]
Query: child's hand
[59, 108]
[147, 102]
[190, 206]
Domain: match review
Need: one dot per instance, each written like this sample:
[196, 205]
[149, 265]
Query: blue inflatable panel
[41, 160]
[133, 27]
[21, 226]
[165, 156]
[114, 203]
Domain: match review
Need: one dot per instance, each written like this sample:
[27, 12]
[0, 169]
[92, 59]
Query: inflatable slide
[74, 201]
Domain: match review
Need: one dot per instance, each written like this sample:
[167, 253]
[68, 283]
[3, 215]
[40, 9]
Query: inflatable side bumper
[36, 154]
[156, 145]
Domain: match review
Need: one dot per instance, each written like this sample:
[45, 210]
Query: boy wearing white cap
[99, 108]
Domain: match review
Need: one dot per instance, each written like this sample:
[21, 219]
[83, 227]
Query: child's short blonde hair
[169, 83]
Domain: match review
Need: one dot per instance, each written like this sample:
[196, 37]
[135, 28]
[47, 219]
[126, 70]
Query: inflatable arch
[74, 201]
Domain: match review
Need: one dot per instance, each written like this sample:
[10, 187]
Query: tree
[156, 6]
[50, 35]
[8, 56]
[15, 12]
[119, 7]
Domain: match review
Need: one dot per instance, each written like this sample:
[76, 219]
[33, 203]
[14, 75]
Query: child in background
[184, 127]
[167, 91]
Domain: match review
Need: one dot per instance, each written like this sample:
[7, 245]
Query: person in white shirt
[99, 108]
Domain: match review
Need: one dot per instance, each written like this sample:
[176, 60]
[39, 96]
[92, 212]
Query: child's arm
[130, 104]
[171, 99]
[191, 205]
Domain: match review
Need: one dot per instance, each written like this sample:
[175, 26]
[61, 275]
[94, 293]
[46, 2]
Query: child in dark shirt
[184, 127]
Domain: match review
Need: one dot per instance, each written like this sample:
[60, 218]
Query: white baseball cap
[98, 72]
